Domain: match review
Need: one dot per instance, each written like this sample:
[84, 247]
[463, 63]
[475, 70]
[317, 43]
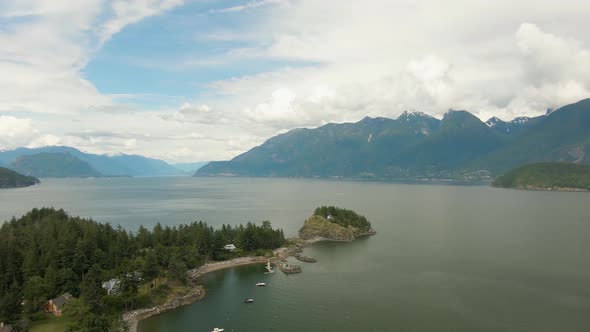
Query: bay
[446, 258]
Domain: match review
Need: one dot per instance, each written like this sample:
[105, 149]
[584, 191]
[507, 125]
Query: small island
[556, 176]
[12, 179]
[335, 224]
[328, 223]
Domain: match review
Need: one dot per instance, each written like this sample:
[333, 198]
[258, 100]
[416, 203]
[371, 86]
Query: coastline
[197, 293]
[210, 267]
[557, 189]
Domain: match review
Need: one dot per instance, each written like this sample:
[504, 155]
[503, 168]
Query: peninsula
[12, 179]
[113, 270]
[547, 176]
[156, 270]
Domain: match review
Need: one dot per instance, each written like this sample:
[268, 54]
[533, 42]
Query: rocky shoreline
[133, 317]
[294, 249]
[198, 292]
[564, 189]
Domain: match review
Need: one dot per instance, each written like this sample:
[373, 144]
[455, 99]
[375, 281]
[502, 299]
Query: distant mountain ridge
[53, 165]
[116, 165]
[418, 146]
[12, 179]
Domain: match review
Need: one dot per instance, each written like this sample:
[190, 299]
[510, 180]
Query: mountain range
[63, 161]
[417, 146]
[53, 165]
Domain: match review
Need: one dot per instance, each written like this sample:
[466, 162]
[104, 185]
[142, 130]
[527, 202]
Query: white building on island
[230, 247]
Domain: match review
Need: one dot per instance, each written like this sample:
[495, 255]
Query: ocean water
[446, 258]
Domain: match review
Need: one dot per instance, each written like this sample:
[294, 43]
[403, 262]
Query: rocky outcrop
[305, 259]
[289, 268]
[320, 228]
[133, 317]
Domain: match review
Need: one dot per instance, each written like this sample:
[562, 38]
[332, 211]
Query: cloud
[550, 58]
[294, 64]
[126, 12]
[380, 58]
[247, 5]
[555, 69]
[15, 132]
[48, 44]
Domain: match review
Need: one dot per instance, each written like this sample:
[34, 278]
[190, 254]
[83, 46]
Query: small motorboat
[249, 300]
[261, 284]
[217, 329]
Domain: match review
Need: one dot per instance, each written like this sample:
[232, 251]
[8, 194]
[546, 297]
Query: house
[6, 328]
[112, 286]
[56, 305]
[230, 247]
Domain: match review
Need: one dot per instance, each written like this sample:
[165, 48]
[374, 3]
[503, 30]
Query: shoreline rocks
[197, 293]
[133, 317]
[305, 259]
[318, 228]
[290, 268]
[315, 229]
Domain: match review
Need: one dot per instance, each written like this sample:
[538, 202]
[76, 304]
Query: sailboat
[268, 267]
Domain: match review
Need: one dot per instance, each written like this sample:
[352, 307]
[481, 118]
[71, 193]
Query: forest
[343, 217]
[546, 175]
[47, 252]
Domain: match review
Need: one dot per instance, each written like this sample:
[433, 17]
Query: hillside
[76, 255]
[555, 176]
[418, 146]
[107, 165]
[332, 223]
[562, 135]
[346, 150]
[12, 179]
[53, 165]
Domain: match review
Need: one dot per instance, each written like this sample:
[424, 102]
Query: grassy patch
[52, 324]
[162, 291]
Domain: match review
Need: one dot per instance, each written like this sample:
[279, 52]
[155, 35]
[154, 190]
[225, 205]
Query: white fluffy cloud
[48, 43]
[382, 57]
[15, 132]
[374, 57]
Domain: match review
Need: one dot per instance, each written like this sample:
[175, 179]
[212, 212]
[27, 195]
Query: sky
[200, 80]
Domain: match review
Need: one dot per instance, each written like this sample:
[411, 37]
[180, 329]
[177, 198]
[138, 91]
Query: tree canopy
[343, 217]
[546, 176]
[47, 252]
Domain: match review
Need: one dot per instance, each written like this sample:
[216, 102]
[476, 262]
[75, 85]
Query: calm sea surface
[447, 258]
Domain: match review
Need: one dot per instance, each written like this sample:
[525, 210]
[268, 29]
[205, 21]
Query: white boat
[249, 300]
[261, 284]
[217, 330]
